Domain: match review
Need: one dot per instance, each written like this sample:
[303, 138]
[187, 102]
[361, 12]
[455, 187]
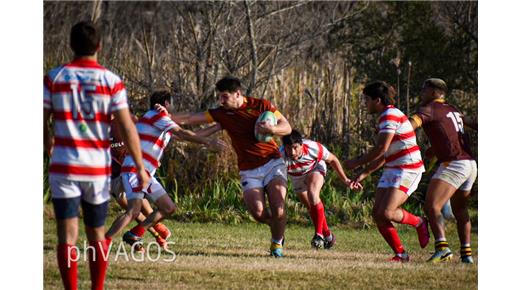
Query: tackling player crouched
[306, 165]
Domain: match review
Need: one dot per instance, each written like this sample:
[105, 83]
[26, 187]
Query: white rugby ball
[269, 118]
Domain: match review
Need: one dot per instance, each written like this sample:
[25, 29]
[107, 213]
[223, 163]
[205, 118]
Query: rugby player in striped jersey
[306, 165]
[397, 150]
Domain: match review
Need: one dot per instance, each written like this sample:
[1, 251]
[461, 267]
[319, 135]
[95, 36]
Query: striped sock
[465, 250]
[441, 244]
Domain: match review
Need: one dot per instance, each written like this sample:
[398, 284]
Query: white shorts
[131, 185]
[262, 175]
[93, 192]
[407, 181]
[459, 173]
[298, 182]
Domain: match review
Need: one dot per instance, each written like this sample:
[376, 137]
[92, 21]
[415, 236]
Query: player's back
[82, 95]
[444, 127]
[154, 134]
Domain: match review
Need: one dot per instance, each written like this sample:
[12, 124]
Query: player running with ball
[397, 150]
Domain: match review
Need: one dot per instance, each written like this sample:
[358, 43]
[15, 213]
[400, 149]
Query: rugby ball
[269, 118]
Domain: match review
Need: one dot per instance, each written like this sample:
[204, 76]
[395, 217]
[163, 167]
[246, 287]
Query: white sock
[329, 237]
[279, 242]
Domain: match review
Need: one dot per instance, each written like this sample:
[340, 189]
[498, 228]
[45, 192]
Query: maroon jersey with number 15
[444, 127]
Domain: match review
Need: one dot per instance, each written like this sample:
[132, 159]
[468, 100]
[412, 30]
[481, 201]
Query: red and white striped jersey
[154, 132]
[403, 153]
[312, 153]
[81, 97]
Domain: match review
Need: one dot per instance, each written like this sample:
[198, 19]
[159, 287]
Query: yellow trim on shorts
[209, 118]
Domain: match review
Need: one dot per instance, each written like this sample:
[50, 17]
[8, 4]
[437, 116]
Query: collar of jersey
[439, 100]
[82, 61]
[244, 104]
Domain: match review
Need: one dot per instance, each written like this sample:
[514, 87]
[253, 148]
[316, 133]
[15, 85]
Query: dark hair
[381, 90]
[160, 97]
[84, 38]
[436, 84]
[229, 83]
[293, 138]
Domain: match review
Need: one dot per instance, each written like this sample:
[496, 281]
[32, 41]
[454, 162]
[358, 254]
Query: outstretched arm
[190, 118]
[383, 142]
[213, 144]
[334, 162]
[206, 132]
[373, 166]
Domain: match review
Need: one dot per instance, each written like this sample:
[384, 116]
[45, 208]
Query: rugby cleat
[276, 250]
[317, 242]
[161, 242]
[134, 241]
[329, 244]
[403, 258]
[466, 259]
[423, 233]
[442, 255]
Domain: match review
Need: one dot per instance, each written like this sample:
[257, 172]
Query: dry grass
[225, 256]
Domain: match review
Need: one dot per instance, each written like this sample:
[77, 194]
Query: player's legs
[254, 200]
[66, 198]
[165, 207]
[304, 199]
[386, 209]
[132, 212]
[460, 210]
[276, 191]
[314, 182]
[146, 210]
[94, 216]
[438, 193]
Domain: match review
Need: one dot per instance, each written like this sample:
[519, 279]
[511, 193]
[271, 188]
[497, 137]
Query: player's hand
[265, 128]
[217, 145]
[351, 164]
[161, 109]
[144, 178]
[356, 183]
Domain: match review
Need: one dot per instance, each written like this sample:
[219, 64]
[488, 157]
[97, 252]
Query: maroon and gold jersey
[444, 127]
[240, 126]
[117, 147]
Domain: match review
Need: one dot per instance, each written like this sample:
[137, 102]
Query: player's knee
[380, 215]
[278, 212]
[133, 213]
[169, 208]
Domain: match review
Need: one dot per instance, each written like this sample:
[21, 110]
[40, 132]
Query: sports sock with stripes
[465, 250]
[441, 244]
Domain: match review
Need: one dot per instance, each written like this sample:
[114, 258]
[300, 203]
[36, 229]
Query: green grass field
[236, 256]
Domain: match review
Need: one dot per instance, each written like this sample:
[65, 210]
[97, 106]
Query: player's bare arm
[48, 140]
[382, 144]
[373, 166]
[336, 164]
[282, 127]
[208, 131]
[131, 139]
[215, 145]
